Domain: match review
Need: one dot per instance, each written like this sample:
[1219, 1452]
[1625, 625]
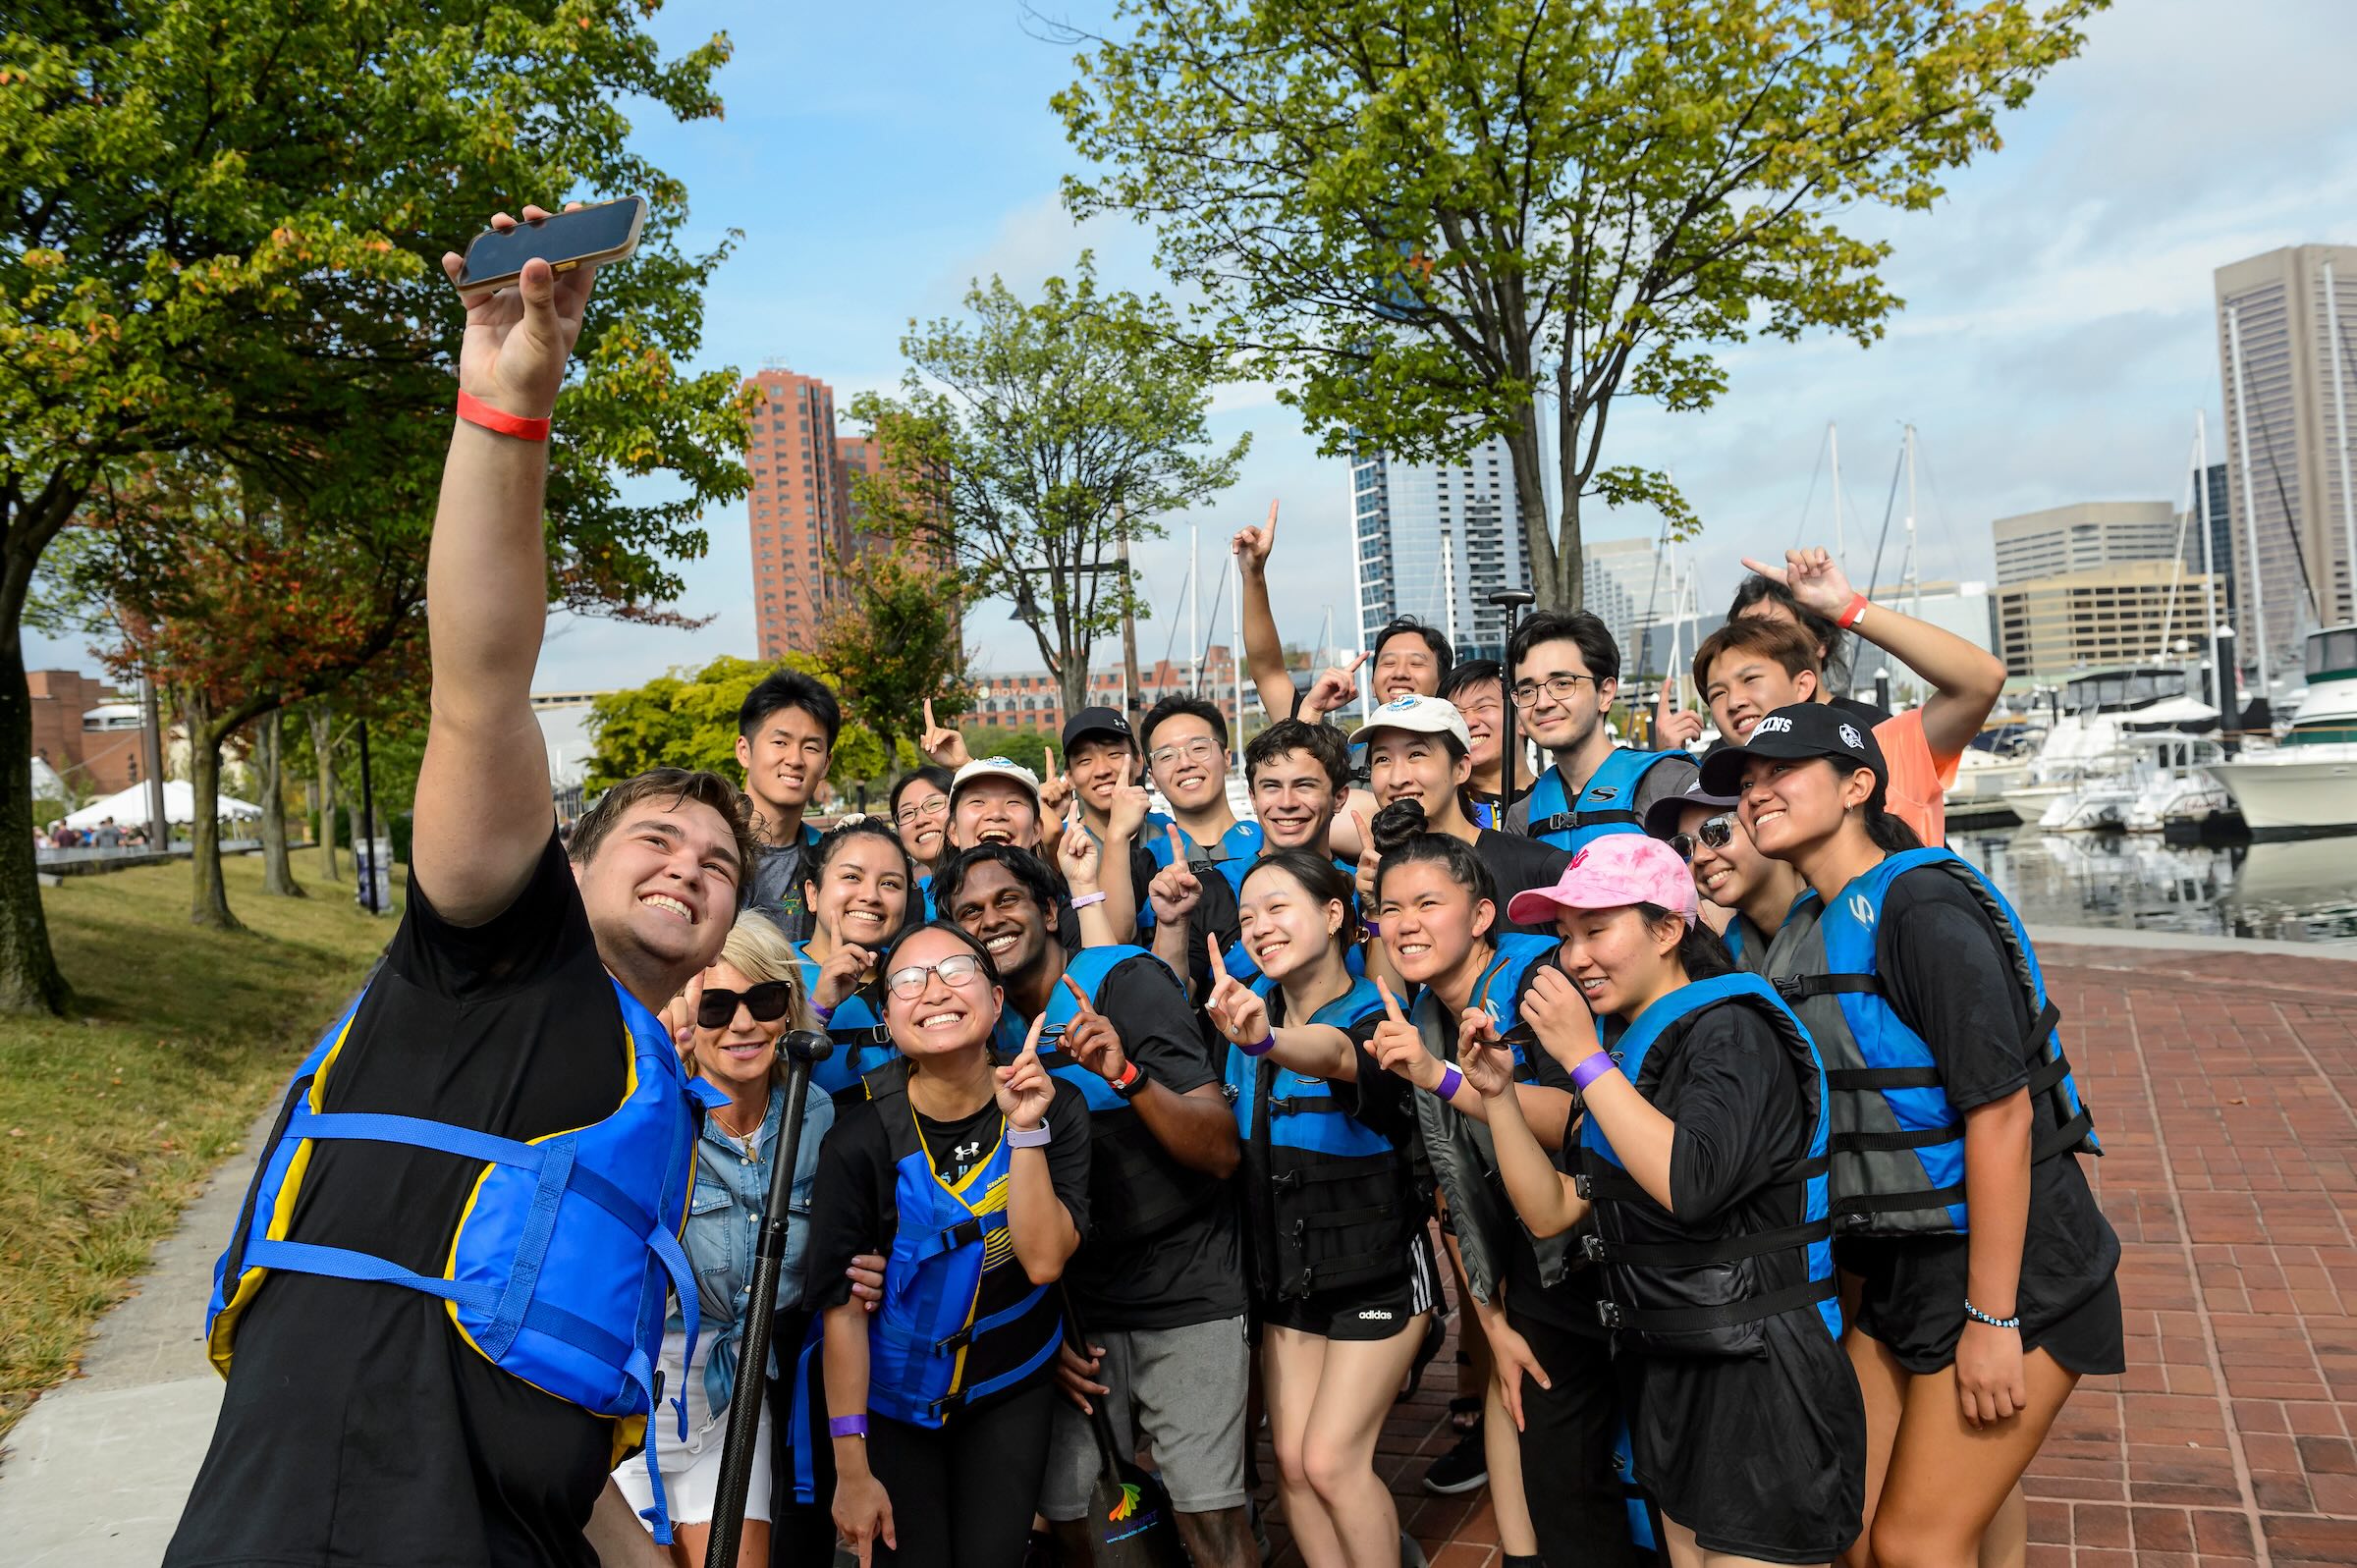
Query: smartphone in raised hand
[607, 231]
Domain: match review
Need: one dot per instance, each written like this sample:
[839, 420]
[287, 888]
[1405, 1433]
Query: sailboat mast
[2250, 496]
[1832, 441]
[1914, 567]
[1194, 600]
[2221, 678]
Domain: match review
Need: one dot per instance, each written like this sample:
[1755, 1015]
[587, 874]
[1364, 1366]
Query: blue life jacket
[1898, 1144]
[948, 1243]
[559, 1268]
[1153, 836]
[1242, 842]
[1236, 958]
[1681, 1288]
[924, 891]
[856, 1026]
[1641, 1532]
[1137, 1188]
[1458, 1149]
[1608, 803]
[1326, 1194]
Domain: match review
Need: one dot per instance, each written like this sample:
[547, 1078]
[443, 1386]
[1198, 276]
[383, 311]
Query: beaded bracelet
[1977, 1316]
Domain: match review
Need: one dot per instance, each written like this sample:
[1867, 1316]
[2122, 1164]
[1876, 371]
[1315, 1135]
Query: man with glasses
[1185, 740]
[1158, 1287]
[1566, 671]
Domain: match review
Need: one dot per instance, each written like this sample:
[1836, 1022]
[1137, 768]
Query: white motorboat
[1983, 777]
[2090, 742]
[2093, 805]
[2308, 783]
[2177, 789]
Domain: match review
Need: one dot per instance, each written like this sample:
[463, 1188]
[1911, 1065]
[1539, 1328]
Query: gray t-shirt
[1670, 776]
[777, 892]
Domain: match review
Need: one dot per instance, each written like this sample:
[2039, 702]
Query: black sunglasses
[766, 1001]
[1715, 832]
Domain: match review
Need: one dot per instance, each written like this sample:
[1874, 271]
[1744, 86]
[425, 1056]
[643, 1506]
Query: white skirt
[692, 1469]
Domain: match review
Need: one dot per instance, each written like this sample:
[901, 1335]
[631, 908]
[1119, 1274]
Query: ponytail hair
[1889, 833]
[1700, 952]
[1399, 838]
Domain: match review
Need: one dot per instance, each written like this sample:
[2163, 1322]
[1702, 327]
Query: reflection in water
[2294, 891]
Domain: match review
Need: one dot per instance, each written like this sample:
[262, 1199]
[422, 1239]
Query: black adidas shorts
[1364, 1311]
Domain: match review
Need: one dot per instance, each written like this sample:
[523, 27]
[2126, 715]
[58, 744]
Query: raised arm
[483, 813]
[1315, 1050]
[1966, 680]
[1264, 650]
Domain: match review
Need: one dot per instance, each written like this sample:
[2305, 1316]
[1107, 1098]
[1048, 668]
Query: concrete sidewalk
[95, 1474]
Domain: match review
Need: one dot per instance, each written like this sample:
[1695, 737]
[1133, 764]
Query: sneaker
[1461, 1469]
[1411, 1555]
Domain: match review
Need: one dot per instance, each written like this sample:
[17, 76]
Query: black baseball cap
[1096, 722]
[1661, 818]
[1802, 731]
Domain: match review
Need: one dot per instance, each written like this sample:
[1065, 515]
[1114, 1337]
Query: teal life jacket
[951, 1279]
[1608, 802]
[1897, 1143]
[1680, 1287]
[1326, 1194]
[1241, 844]
[560, 1265]
[1458, 1149]
[1137, 1188]
[863, 1044]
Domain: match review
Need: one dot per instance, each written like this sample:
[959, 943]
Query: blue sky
[2057, 341]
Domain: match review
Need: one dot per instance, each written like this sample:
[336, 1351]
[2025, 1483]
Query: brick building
[90, 735]
[798, 511]
[1029, 699]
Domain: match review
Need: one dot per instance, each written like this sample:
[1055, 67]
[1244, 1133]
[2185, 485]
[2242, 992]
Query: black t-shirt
[358, 1425]
[1945, 973]
[851, 1202]
[1517, 864]
[1570, 1303]
[1737, 1102]
[777, 890]
[1192, 1271]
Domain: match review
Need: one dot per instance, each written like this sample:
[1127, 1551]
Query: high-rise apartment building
[799, 509]
[2085, 535]
[1435, 540]
[2287, 359]
[2133, 612]
[1628, 586]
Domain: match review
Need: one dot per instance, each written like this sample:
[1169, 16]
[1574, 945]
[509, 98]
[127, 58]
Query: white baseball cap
[1419, 715]
[997, 768]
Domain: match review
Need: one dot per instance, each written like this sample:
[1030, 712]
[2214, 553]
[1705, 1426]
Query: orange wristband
[1851, 613]
[476, 411]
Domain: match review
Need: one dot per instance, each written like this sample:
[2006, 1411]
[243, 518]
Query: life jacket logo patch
[1604, 792]
[1862, 907]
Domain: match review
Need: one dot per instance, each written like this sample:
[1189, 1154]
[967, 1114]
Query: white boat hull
[2029, 803]
[2294, 788]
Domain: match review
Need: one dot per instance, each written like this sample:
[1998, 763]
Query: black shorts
[1913, 1303]
[1362, 1312]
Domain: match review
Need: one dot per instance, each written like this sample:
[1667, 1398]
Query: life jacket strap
[1694, 1254]
[1574, 821]
[1897, 1202]
[1306, 1105]
[964, 1233]
[983, 1325]
[1799, 987]
[1873, 1080]
[948, 1403]
[1693, 1319]
[1883, 1143]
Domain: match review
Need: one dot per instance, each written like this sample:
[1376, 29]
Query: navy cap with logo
[1804, 729]
[1095, 722]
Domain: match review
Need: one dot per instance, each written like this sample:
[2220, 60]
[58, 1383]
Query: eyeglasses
[1715, 832]
[958, 969]
[910, 816]
[766, 1001]
[1559, 687]
[1191, 750]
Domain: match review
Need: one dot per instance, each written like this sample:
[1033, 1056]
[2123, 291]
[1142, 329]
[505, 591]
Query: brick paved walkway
[2220, 1084]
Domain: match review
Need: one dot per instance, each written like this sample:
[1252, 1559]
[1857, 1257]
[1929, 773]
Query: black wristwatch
[1131, 1083]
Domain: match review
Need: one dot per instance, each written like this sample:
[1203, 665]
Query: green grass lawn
[111, 1119]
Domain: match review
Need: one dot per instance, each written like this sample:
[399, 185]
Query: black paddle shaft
[1512, 601]
[802, 1048]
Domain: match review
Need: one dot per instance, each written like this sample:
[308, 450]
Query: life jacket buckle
[956, 1341]
[1591, 1246]
[1583, 1185]
[1608, 1313]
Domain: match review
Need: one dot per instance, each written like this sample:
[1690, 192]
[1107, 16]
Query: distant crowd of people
[108, 833]
[1728, 1106]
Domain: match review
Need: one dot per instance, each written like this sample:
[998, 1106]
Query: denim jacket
[724, 1224]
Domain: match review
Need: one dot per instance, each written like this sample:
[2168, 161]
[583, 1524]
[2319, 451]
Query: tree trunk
[208, 902]
[29, 980]
[270, 746]
[324, 750]
[1554, 571]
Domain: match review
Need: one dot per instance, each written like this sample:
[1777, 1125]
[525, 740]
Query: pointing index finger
[1039, 1025]
[1080, 996]
[1363, 654]
[929, 722]
[1391, 1003]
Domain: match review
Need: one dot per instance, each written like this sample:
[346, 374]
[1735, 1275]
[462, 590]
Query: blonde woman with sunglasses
[730, 1020]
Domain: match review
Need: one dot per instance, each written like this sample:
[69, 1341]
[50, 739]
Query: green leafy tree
[223, 242]
[1041, 436]
[897, 644]
[1432, 223]
[688, 719]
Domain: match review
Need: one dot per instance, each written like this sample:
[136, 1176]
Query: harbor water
[2285, 891]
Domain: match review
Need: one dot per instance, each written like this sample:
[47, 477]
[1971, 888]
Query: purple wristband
[847, 1426]
[822, 1014]
[1450, 1082]
[1592, 1067]
[1268, 1043]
